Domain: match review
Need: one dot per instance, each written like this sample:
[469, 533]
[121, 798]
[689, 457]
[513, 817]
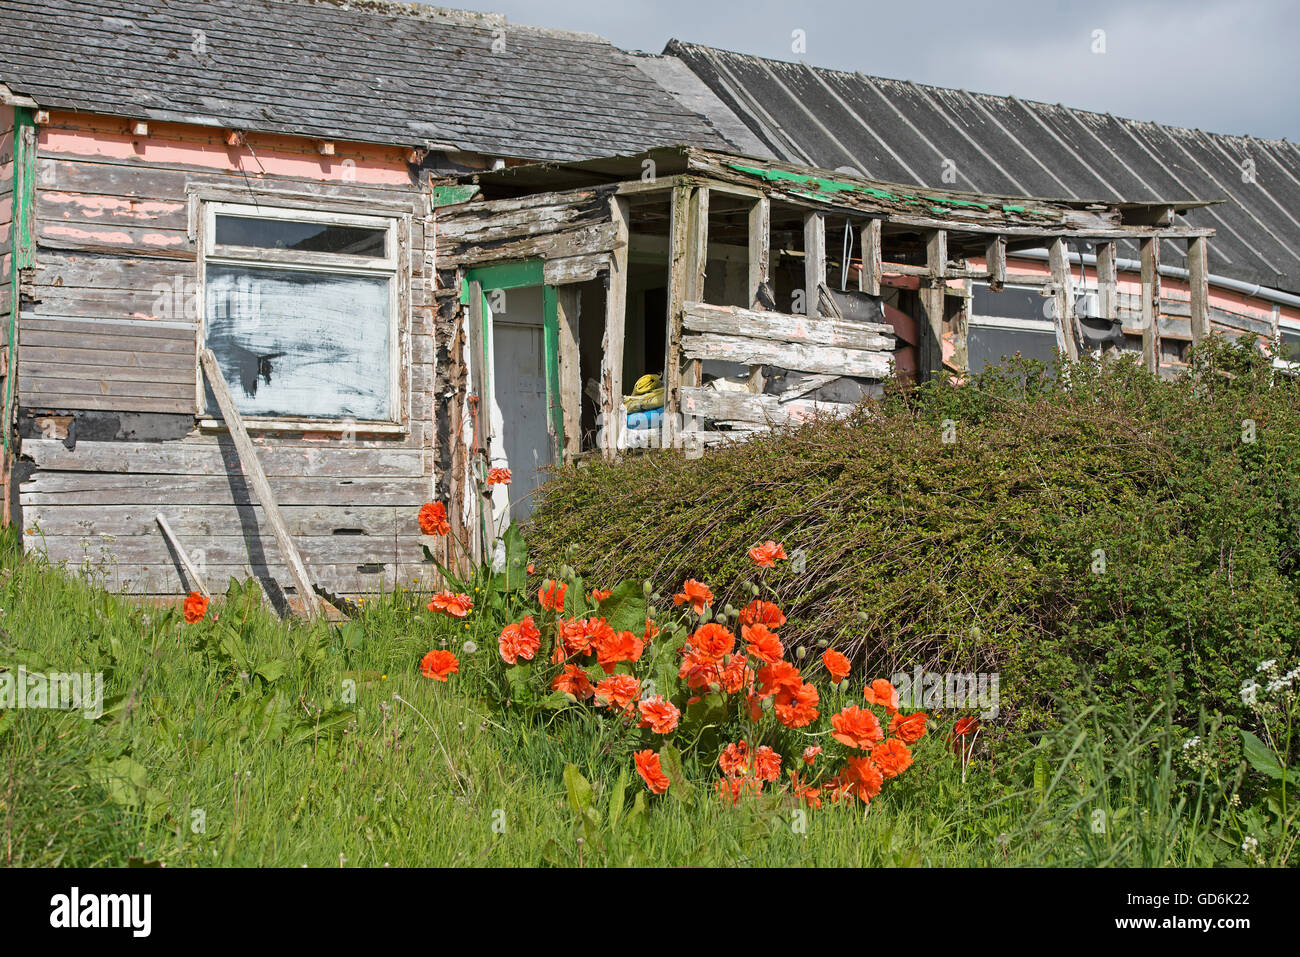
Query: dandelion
[469, 648]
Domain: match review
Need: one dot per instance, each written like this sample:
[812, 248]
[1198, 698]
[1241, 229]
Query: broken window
[300, 310]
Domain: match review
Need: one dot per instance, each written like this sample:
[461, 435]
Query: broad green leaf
[580, 794]
[616, 797]
[671, 761]
[1260, 757]
[625, 608]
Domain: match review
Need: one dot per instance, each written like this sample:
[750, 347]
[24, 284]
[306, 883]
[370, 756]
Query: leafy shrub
[1088, 526]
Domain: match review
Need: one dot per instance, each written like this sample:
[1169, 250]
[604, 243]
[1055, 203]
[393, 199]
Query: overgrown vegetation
[1089, 533]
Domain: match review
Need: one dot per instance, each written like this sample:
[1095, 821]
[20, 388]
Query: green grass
[259, 739]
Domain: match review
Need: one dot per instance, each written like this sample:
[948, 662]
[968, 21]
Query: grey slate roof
[378, 72]
[902, 132]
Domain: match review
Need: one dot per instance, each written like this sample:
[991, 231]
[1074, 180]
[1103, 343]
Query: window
[301, 311]
[1017, 319]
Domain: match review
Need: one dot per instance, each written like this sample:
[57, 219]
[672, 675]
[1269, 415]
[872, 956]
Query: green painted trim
[451, 195]
[508, 275]
[21, 255]
[551, 345]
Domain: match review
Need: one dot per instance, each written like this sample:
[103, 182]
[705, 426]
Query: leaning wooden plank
[781, 327]
[745, 407]
[611, 357]
[253, 470]
[1063, 293]
[788, 355]
[196, 579]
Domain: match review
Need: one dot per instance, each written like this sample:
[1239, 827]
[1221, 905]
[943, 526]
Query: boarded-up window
[300, 312]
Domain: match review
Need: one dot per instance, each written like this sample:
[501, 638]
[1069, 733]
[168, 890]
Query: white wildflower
[1250, 845]
[1265, 665]
[1191, 742]
[1249, 691]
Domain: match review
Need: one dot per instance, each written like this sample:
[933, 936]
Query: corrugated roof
[378, 72]
[904, 132]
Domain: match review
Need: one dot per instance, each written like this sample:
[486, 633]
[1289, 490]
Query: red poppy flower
[433, 519]
[573, 680]
[881, 693]
[763, 644]
[551, 595]
[519, 641]
[438, 664]
[651, 771]
[837, 666]
[616, 647]
[777, 676]
[696, 593]
[658, 714]
[891, 757]
[796, 707]
[734, 759]
[458, 606]
[598, 596]
[911, 728]
[765, 555]
[805, 792]
[711, 641]
[810, 753]
[856, 727]
[498, 476]
[767, 764]
[196, 607]
[966, 725]
[618, 691]
[762, 613]
[736, 674]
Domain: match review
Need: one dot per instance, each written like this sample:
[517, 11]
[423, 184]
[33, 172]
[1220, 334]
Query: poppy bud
[729, 611]
[801, 652]
[753, 590]
[767, 704]
[570, 697]
[566, 571]
[647, 589]
[714, 687]
[823, 643]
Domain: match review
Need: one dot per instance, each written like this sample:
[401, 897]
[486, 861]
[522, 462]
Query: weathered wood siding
[108, 330]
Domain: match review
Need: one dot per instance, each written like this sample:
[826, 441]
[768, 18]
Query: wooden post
[1199, 281]
[568, 313]
[612, 415]
[1107, 282]
[760, 247]
[191, 569]
[995, 260]
[480, 387]
[683, 272]
[814, 261]
[930, 347]
[1151, 303]
[261, 487]
[1063, 286]
[869, 274]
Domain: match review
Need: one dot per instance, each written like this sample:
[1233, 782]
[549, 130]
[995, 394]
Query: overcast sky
[1229, 66]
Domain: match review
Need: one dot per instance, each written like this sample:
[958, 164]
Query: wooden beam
[1107, 282]
[260, 486]
[995, 261]
[814, 261]
[480, 406]
[611, 362]
[681, 243]
[1199, 281]
[568, 310]
[869, 274]
[1058, 257]
[930, 348]
[760, 247]
[192, 570]
[1151, 303]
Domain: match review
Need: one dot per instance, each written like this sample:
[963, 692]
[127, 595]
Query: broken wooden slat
[1063, 294]
[261, 487]
[1107, 282]
[814, 261]
[196, 579]
[760, 410]
[930, 348]
[995, 261]
[1199, 283]
[788, 355]
[869, 274]
[781, 327]
[1151, 304]
[568, 312]
[760, 245]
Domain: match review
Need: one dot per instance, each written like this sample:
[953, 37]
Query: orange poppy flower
[438, 664]
[519, 641]
[765, 555]
[966, 725]
[891, 757]
[960, 731]
[711, 641]
[433, 519]
[763, 644]
[195, 608]
[598, 596]
[863, 778]
[575, 639]
[651, 771]
[796, 707]
[856, 727]
[911, 728]
[736, 675]
[777, 676]
[657, 714]
[881, 693]
[551, 595]
[498, 476]
[573, 680]
[837, 666]
[458, 606]
[618, 691]
[767, 763]
[651, 629]
[697, 670]
[762, 613]
[804, 792]
[810, 753]
[616, 647]
[696, 593]
[734, 759]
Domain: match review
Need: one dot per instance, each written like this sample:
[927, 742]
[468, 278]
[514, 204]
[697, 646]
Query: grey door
[519, 385]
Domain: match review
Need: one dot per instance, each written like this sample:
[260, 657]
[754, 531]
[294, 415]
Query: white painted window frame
[388, 266]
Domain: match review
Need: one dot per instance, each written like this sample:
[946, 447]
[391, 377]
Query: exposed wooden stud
[568, 303]
[1199, 281]
[760, 247]
[930, 348]
[1107, 282]
[681, 243]
[1151, 303]
[814, 260]
[480, 404]
[191, 570]
[41, 117]
[234, 137]
[995, 261]
[1058, 256]
[325, 147]
[869, 274]
[611, 362]
[139, 128]
[261, 487]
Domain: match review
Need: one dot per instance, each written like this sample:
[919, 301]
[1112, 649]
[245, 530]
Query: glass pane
[304, 237]
[299, 342]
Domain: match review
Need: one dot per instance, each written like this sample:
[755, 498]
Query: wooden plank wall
[106, 333]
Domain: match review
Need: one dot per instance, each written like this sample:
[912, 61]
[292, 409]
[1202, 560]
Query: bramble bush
[1089, 532]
